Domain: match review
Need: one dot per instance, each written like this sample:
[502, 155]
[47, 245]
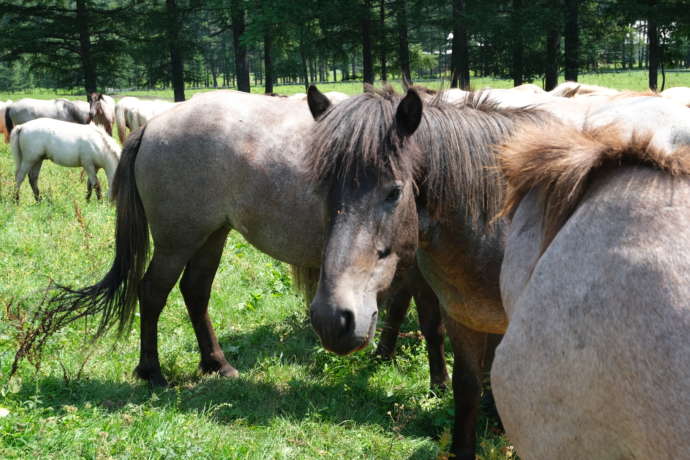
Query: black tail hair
[8, 120]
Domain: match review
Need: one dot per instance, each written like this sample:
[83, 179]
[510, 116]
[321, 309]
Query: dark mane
[461, 165]
[451, 156]
[357, 137]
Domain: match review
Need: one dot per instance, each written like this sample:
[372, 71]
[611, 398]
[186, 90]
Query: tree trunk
[303, 58]
[551, 70]
[241, 64]
[572, 40]
[460, 65]
[403, 44]
[367, 55]
[382, 40]
[654, 49]
[518, 43]
[176, 63]
[90, 83]
[268, 60]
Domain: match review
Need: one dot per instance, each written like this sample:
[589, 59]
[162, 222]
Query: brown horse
[221, 161]
[596, 283]
[396, 176]
[102, 111]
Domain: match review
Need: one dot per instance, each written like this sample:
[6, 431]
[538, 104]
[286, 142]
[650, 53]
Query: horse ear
[409, 114]
[318, 103]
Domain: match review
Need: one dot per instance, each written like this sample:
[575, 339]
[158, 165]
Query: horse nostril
[346, 321]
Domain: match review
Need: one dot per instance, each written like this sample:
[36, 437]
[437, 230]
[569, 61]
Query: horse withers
[65, 144]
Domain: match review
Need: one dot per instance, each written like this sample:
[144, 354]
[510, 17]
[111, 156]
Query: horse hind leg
[398, 304]
[196, 289]
[20, 175]
[33, 179]
[158, 281]
[92, 182]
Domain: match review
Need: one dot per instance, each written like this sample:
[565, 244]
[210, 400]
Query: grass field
[292, 400]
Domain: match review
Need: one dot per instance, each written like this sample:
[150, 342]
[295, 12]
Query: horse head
[363, 159]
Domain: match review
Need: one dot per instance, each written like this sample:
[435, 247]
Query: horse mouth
[362, 343]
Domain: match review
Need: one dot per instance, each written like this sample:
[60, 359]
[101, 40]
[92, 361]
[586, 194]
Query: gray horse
[221, 161]
[596, 284]
[59, 109]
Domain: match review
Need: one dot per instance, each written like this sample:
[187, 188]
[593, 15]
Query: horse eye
[383, 253]
[394, 194]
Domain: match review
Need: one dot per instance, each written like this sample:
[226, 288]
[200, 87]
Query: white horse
[679, 94]
[66, 144]
[133, 113]
[60, 109]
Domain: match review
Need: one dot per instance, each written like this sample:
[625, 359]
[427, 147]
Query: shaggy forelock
[358, 137]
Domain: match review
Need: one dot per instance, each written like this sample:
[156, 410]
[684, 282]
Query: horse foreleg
[33, 179]
[429, 313]
[398, 304]
[160, 277]
[469, 350]
[92, 182]
[196, 290]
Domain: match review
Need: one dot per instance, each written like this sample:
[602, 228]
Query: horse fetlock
[151, 374]
[218, 366]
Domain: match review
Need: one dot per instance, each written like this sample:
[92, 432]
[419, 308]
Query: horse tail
[8, 120]
[120, 122]
[305, 281]
[114, 297]
[15, 148]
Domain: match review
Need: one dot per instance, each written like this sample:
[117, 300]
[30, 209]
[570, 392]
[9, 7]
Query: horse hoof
[438, 388]
[154, 377]
[223, 369]
[384, 354]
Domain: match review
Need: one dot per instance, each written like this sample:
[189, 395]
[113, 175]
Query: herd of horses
[548, 234]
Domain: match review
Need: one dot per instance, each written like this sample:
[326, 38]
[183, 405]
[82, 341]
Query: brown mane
[560, 160]
[451, 155]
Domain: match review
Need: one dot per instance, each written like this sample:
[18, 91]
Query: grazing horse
[596, 284]
[59, 109]
[65, 144]
[3, 126]
[133, 113]
[396, 176]
[391, 165]
[102, 111]
[221, 161]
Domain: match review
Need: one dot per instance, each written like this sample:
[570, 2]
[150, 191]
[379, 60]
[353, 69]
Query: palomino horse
[221, 161]
[59, 109]
[372, 153]
[596, 284]
[3, 126]
[65, 144]
[680, 94]
[102, 111]
[132, 113]
[388, 184]
[573, 88]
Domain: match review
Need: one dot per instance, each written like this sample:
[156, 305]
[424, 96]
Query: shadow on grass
[330, 389]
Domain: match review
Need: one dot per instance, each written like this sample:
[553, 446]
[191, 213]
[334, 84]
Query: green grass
[636, 80]
[293, 400]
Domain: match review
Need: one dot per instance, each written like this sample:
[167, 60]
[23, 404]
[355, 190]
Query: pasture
[292, 400]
